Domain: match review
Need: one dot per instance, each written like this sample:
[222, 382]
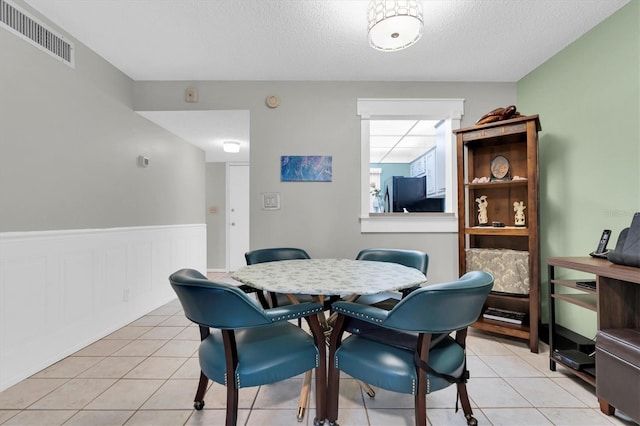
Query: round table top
[329, 276]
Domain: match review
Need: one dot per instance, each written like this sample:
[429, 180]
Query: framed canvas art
[306, 168]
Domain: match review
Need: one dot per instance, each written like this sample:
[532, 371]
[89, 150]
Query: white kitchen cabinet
[443, 130]
[417, 167]
[435, 164]
[430, 161]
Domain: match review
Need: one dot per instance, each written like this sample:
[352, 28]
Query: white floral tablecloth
[329, 276]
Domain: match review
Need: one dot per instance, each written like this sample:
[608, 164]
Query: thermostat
[273, 101]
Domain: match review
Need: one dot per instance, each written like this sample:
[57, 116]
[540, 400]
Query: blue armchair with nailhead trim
[430, 365]
[243, 344]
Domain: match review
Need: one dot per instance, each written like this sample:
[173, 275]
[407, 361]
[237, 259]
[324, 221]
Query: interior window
[409, 164]
[406, 153]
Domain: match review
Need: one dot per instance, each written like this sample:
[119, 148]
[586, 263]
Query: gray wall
[319, 118]
[69, 145]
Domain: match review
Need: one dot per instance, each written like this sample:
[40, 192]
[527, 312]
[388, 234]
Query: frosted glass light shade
[231, 146]
[394, 24]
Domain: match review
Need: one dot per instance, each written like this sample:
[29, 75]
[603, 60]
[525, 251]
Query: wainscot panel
[63, 290]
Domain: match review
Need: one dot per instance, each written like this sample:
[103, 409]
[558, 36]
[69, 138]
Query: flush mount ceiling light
[231, 146]
[394, 24]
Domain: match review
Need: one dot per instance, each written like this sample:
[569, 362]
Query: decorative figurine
[499, 114]
[483, 219]
[519, 207]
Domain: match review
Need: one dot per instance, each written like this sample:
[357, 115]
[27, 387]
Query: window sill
[409, 223]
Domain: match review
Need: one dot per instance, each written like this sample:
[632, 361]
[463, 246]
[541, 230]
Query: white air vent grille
[29, 28]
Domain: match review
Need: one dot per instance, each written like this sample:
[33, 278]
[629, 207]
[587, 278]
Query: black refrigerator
[409, 193]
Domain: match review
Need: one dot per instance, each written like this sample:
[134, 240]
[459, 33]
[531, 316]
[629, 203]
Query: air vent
[30, 29]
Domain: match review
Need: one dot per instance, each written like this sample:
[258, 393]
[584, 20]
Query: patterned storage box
[510, 268]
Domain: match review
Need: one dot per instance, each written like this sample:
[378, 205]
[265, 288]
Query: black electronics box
[563, 338]
[573, 358]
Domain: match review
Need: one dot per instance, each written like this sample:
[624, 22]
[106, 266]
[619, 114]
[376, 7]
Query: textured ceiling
[464, 40]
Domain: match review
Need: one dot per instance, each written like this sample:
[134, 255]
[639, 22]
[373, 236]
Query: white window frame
[404, 109]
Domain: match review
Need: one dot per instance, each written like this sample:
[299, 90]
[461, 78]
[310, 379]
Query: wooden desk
[615, 300]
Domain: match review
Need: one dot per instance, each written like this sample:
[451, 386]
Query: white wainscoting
[62, 290]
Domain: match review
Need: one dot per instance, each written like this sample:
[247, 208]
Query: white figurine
[519, 207]
[483, 219]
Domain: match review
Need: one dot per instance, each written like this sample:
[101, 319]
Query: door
[237, 214]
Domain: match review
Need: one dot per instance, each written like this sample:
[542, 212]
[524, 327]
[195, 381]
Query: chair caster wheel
[198, 405]
[471, 421]
[372, 394]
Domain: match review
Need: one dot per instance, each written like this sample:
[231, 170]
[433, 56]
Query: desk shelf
[573, 284]
[588, 378]
[615, 300]
[587, 301]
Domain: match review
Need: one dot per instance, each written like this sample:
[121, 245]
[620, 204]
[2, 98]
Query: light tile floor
[146, 374]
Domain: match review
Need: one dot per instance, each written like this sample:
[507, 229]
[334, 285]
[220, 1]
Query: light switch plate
[270, 201]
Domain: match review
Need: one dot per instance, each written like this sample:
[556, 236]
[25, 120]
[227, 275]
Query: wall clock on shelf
[500, 168]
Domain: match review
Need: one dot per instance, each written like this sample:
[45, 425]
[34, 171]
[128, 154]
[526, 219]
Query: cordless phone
[601, 251]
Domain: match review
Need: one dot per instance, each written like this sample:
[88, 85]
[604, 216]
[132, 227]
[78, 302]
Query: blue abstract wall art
[306, 168]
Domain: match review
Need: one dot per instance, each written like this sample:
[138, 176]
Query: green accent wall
[587, 97]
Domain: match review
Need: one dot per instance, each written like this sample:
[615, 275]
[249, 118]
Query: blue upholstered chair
[411, 258]
[273, 255]
[436, 309]
[386, 300]
[244, 345]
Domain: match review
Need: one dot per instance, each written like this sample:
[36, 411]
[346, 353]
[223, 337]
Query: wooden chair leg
[321, 370]
[420, 409]
[422, 387]
[232, 405]
[466, 405]
[198, 401]
[321, 396]
[333, 391]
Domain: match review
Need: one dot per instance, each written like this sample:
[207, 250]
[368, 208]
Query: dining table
[327, 277]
